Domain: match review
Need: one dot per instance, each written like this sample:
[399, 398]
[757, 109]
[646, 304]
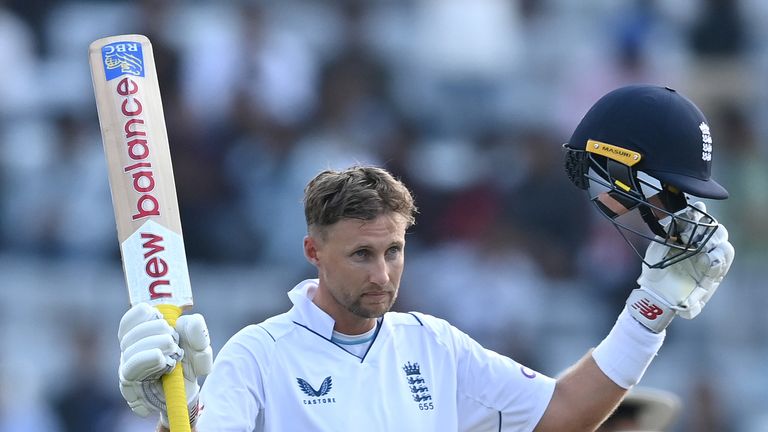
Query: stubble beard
[356, 307]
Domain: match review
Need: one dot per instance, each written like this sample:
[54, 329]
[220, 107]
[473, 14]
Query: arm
[588, 392]
[569, 409]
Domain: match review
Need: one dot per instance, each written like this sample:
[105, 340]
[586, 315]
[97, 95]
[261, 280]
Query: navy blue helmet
[646, 148]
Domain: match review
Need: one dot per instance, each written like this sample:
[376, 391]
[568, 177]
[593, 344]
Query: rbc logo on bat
[122, 58]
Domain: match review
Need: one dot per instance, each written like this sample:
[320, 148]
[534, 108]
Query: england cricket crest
[418, 386]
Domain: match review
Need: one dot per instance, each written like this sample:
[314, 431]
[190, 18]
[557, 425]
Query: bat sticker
[122, 58]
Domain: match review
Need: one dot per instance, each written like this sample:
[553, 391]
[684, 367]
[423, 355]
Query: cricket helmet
[645, 148]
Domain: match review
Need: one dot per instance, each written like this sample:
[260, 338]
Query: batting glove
[684, 287]
[150, 348]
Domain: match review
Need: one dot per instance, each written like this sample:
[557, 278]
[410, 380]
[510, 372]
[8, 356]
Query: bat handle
[173, 382]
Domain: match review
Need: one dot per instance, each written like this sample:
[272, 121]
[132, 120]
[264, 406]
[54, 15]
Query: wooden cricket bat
[143, 190]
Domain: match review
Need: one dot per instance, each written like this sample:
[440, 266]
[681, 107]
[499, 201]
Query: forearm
[591, 389]
[584, 397]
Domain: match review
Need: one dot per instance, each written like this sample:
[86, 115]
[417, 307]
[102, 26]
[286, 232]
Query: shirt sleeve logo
[527, 372]
[418, 387]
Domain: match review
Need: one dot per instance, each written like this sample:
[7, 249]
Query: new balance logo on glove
[647, 309]
[653, 313]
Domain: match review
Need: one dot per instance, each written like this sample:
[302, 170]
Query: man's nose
[380, 272]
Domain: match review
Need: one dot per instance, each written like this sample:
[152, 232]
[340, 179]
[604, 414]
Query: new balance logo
[316, 395]
[647, 309]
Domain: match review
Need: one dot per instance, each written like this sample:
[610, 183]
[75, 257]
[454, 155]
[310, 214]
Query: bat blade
[140, 171]
[143, 189]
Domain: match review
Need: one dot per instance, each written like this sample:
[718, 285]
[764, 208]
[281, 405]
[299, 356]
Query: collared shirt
[420, 373]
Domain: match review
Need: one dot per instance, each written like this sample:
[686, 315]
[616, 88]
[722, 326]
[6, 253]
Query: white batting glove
[150, 348]
[684, 287]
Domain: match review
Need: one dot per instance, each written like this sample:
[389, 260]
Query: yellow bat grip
[173, 382]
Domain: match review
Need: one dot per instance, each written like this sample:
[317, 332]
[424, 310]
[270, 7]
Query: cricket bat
[143, 190]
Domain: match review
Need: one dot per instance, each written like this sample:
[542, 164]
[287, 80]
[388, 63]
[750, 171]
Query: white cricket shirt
[419, 374]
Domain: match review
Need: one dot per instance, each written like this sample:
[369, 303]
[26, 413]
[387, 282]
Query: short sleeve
[232, 397]
[496, 393]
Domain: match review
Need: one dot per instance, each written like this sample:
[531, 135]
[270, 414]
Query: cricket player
[339, 360]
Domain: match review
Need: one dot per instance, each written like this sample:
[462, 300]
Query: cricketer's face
[359, 266]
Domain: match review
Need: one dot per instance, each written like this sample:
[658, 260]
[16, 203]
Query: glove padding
[150, 348]
[684, 287]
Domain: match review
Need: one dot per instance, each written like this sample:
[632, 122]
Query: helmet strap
[646, 212]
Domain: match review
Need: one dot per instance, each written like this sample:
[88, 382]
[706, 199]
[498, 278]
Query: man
[338, 360]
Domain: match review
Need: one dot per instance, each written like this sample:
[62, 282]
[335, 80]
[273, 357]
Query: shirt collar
[306, 313]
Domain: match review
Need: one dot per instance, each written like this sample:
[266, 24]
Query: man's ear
[310, 250]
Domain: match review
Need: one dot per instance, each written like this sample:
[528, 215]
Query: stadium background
[467, 101]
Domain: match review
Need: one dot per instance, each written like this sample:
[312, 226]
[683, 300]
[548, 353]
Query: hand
[150, 348]
[684, 287]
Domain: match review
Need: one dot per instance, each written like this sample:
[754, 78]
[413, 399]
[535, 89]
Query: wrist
[650, 310]
[626, 352]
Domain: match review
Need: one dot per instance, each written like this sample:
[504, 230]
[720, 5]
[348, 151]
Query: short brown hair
[359, 192]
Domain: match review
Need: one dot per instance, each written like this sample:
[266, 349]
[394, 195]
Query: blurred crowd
[467, 101]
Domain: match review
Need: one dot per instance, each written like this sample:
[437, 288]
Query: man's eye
[393, 250]
[362, 253]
